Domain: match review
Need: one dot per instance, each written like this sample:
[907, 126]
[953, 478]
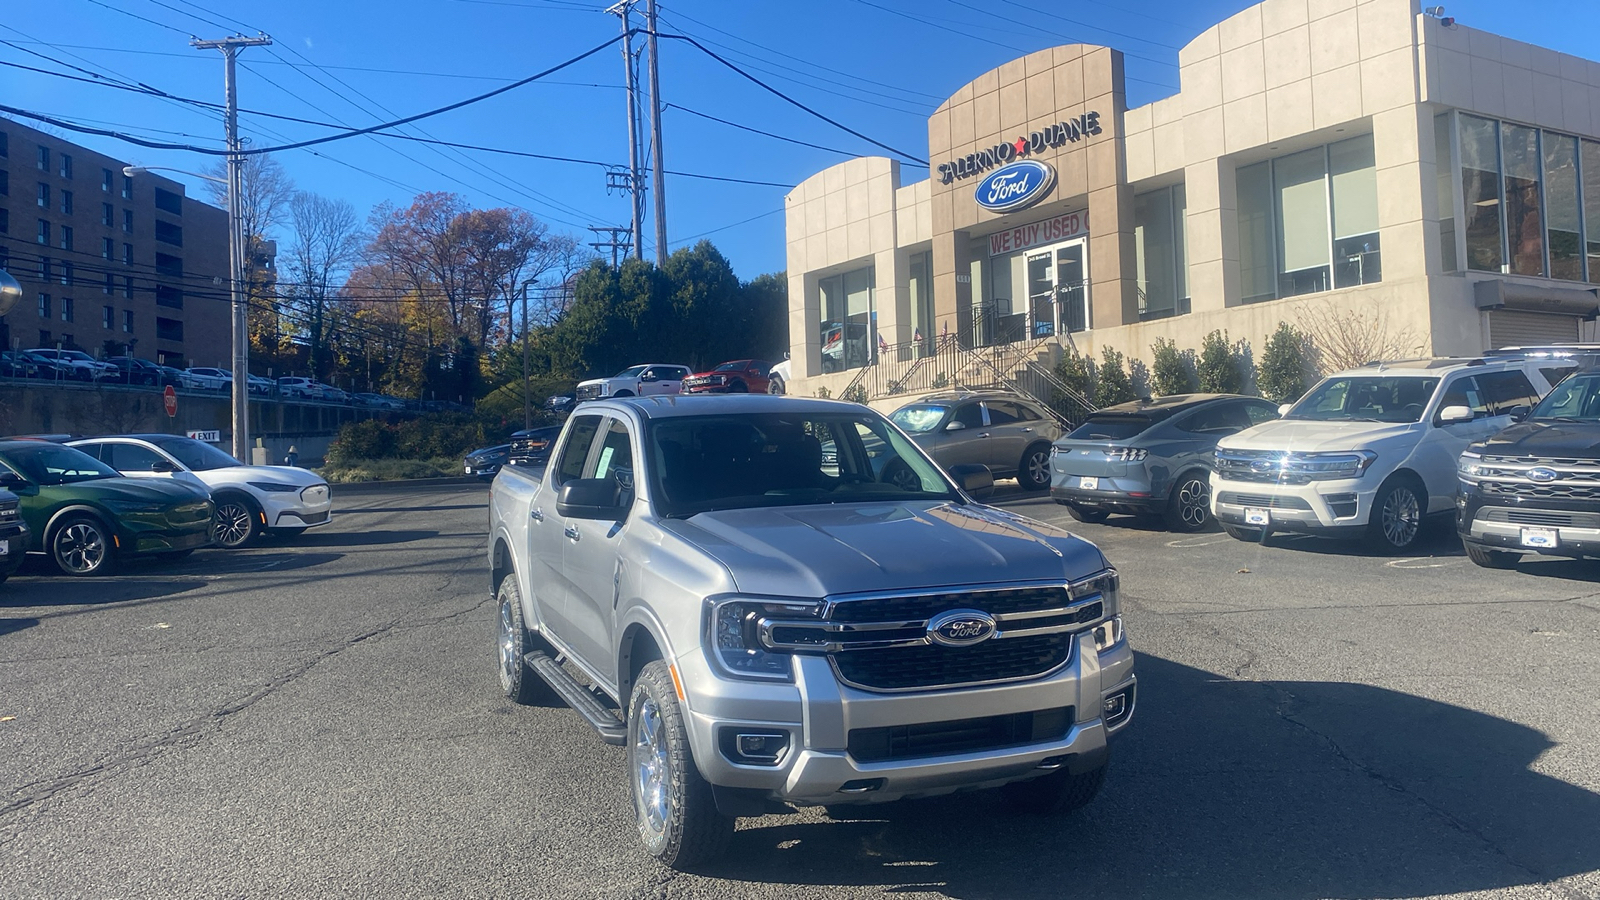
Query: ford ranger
[753, 599]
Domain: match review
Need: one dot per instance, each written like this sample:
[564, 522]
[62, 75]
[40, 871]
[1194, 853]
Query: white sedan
[282, 500]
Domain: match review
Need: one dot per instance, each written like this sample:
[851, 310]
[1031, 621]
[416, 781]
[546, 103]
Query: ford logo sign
[961, 627]
[1261, 465]
[1022, 183]
[1542, 475]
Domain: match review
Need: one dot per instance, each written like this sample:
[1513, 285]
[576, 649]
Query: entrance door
[1072, 289]
[1042, 294]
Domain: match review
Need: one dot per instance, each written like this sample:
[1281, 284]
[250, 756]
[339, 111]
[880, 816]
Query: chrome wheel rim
[80, 548]
[508, 645]
[232, 525]
[1039, 467]
[1401, 517]
[1194, 502]
[652, 775]
[905, 479]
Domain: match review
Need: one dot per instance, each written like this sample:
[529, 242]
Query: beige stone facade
[1392, 104]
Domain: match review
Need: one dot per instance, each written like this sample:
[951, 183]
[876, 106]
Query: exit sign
[210, 437]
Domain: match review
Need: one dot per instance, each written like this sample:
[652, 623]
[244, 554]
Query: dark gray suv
[1150, 458]
[1007, 432]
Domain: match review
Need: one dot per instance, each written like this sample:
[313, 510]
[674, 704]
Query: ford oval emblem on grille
[961, 627]
[1261, 465]
[1542, 475]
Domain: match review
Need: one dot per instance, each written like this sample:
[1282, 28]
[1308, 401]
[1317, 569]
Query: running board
[612, 731]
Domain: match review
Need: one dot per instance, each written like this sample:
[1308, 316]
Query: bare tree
[1350, 336]
[264, 197]
[324, 248]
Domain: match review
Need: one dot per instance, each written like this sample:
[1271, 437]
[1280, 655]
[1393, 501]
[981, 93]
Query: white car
[778, 380]
[82, 366]
[302, 388]
[1369, 452]
[282, 500]
[333, 394]
[209, 379]
[642, 381]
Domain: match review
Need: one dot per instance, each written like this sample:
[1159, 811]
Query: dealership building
[1361, 161]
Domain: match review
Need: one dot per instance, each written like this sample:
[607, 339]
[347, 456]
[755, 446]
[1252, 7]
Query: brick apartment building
[108, 264]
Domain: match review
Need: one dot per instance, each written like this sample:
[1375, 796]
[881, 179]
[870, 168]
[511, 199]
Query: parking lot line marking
[1401, 563]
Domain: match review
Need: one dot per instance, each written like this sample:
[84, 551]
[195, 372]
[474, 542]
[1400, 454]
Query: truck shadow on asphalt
[93, 592]
[1230, 789]
[314, 539]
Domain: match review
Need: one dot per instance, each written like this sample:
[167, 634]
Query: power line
[694, 237]
[769, 134]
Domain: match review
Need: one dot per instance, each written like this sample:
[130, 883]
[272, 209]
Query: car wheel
[1057, 792]
[82, 546]
[1397, 515]
[235, 524]
[1033, 473]
[286, 532]
[1241, 533]
[518, 682]
[776, 386]
[738, 387]
[1091, 516]
[1492, 559]
[899, 474]
[623, 394]
[673, 806]
[1189, 509]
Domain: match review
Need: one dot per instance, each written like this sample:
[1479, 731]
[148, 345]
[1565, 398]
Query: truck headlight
[1107, 584]
[1315, 466]
[1470, 465]
[1108, 634]
[735, 642]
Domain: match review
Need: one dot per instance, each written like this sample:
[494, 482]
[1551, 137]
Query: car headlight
[1107, 584]
[1470, 465]
[735, 639]
[1108, 634]
[1330, 465]
[273, 487]
[1126, 454]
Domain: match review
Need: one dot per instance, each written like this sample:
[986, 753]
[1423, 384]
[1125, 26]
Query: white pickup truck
[751, 596]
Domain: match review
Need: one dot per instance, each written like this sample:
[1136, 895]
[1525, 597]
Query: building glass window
[66, 237]
[66, 272]
[1590, 152]
[127, 221]
[1301, 191]
[127, 254]
[44, 306]
[1353, 177]
[110, 287]
[1444, 186]
[127, 286]
[1159, 253]
[44, 268]
[127, 321]
[1524, 226]
[1256, 267]
[848, 320]
[127, 187]
[44, 195]
[169, 297]
[108, 215]
[108, 248]
[108, 317]
[5, 183]
[66, 203]
[5, 221]
[5, 145]
[920, 283]
[44, 159]
[66, 309]
[66, 166]
[167, 201]
[1480, 192]
[44, 232]
[1563, 218]
[169, 329]
[105, 180]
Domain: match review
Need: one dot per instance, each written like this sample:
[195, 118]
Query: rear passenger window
[1504, 391]
[129, 458]
[576, 450]
[1224, 419]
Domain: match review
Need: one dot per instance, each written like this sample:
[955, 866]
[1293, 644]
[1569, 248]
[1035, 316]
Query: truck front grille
[1267, 501]
[959, 736]
[1541, 491]
[934, 666]
[587, 392]
[1539, 517]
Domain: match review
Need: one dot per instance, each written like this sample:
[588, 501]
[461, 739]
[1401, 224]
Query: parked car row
[88, 504]
[740, 376]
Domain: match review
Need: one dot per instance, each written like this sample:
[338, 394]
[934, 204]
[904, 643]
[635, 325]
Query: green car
[86, 517]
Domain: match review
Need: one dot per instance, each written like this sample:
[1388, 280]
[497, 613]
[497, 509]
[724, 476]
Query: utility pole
[230, 48]
[614, 244]
[624, 11]
[527, 408]
[657, 155]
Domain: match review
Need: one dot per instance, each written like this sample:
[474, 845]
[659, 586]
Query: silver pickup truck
[748, 594]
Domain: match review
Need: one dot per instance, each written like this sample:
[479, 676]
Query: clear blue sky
[867, 63]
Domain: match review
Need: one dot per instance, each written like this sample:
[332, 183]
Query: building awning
[1495, 293]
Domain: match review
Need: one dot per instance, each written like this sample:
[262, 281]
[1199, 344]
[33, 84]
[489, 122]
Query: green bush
[1217, 368]
[437, 436]
[354, 471]
[1073, 370]
[856, 394]
[1168, 373]
[370, 439]
[1113, 386]
[1285, 362]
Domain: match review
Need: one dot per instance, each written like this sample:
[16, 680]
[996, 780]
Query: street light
[241, 328]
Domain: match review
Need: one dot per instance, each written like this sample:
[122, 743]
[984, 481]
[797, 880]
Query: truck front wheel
[676, 813]
[519, 682]
[1054, 793]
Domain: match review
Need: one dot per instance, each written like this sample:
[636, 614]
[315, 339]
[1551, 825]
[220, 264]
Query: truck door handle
[536, 515]
[572, 533]
[1027, 431]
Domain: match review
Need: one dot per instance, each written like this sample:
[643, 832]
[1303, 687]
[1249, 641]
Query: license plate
[469, 470]
[1257, 517]
[1540, 537]
[5, 548]
[1089, 483]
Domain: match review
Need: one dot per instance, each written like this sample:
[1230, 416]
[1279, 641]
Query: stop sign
[169, 399]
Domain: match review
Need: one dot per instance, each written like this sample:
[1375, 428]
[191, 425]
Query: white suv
[1368, 452]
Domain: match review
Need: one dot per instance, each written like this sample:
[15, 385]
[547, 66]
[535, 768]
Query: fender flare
[638, 619]
[74, 509]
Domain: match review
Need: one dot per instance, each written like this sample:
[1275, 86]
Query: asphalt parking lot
[320, 717]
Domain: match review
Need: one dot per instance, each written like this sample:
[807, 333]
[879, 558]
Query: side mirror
[1284, 409]
[13, 482]
[163, 466]
[955, 426]
[1520, 412]
[1450, 415]
[973, 478]
[589, 498]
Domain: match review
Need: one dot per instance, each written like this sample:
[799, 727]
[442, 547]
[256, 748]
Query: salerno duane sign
[1050, 136]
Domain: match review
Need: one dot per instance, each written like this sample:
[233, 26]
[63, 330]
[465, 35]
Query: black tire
[1033, 471]
[1397, 516]
[1091, 516]
[738, 387]
[236, 523]
[899, 474]
[776, 386]
[1490, 558]
[1057, 792]
[623, 394]
[1189, 507]
[518, 682]
[82, 546]
[289, 532]
[673, 806]
[1243, 533]
[175, 555]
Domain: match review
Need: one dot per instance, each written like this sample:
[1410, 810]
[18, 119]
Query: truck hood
[1546, 439]
[816, 551]
[1314, 437]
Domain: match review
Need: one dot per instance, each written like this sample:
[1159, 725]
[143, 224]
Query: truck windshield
[1577, 398]
[705, 463]
[630, 372]
[1366, 398]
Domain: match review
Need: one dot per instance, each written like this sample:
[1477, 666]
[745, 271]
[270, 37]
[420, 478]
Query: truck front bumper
[1329, 507]
[818, 716]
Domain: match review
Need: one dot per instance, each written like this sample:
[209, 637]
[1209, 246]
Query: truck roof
[663, 406]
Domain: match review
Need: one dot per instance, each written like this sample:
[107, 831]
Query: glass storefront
[1161, 253]
[848, 328]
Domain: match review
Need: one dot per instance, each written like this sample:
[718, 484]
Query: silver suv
[1009, 433]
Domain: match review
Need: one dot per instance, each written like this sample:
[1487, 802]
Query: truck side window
[576, 450]
[615, 460]
[1463, 392]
